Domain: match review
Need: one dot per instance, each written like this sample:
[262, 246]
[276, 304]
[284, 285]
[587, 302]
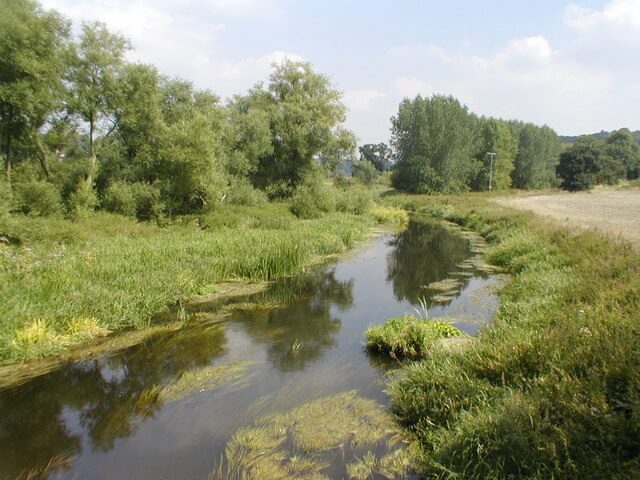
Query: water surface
[91, 419]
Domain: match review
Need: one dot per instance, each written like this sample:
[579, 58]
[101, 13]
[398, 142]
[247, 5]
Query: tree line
[442, 147]
[80, 126]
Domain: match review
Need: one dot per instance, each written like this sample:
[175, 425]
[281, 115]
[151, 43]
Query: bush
[6, 198]
[407, 336]
[148, 203]
[366, 172]
[83, 200]
[38, 198]
[312, 198]
[241, 192]
[355, 201]
[119, 198]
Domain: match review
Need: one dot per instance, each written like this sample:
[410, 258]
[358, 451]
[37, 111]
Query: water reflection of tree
[423, 253]
[301, 332]
[105, 392]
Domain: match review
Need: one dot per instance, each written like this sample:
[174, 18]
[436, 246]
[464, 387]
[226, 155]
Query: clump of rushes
[384, 214]
[408, 336]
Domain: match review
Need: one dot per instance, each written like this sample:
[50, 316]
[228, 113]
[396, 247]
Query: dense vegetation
[82, 128]
[590, 161]
[442, 147]
[552, 389]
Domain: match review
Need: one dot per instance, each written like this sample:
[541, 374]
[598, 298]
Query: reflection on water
[112, 417]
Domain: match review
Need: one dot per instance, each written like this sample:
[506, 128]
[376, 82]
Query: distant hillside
[600, 136]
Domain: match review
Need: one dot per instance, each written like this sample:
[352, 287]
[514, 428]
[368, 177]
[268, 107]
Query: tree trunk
[42, 157]
[92, 152]
[9, 158]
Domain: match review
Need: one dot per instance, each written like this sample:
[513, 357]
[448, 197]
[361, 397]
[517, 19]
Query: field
[612, 211]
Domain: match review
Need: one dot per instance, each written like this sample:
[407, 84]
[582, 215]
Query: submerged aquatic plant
[337, 432]
[408, 336]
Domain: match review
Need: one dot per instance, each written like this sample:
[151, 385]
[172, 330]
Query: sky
[574, 66]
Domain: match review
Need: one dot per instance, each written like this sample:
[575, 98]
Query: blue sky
[572, 65]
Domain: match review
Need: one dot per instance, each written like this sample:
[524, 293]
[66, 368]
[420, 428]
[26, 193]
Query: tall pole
[491, 155]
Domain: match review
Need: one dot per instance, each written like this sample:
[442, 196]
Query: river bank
[551, 389]
[67, 283]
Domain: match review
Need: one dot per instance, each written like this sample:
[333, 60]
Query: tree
[380, 155]
[537, 157]
[366, 172]
[621, 146]
[435, 141]
[579, 165]
[98, 61]
[495, 137]
[33, 59]
[304, 112]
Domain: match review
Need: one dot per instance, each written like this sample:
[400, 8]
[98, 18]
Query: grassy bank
[552, 389]
[65, 282]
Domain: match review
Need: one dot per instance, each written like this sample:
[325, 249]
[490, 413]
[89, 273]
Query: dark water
[84, 419]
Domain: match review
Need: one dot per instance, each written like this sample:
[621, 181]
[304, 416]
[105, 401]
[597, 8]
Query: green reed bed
[552, 389]
[111, 273]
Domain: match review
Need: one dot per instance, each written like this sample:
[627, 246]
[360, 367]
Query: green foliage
[551, 389]
[304, 113]
[623, 148]
[408, 336]
[120, 198]
[495, 137]
[38, 198]
[123, 273]
[353, 200]
[83, 200]
[33, 54]
[366, 172]
[241, 192]
[435, 142]
[380, 155]
[313, 198]
[579, 165]
[6, 198]
[537, 157]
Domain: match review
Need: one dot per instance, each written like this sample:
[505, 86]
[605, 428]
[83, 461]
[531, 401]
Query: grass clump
[385, 214]
[408, 336]
[552, 389]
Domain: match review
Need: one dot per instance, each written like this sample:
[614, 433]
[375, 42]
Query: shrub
[6, 198]
[83, 200]
[241, 192]
[119, 197]
[312, 198]
[366, 172]
[355, 201]
[407, 336]
[38, 198]
[148, 203]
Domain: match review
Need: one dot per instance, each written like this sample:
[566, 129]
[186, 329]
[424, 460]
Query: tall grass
[120, 273]
[552, 390]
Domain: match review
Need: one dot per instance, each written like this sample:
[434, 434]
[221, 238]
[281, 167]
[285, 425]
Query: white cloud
[411, 86]
[181, 38]
[362, 99]
[615, 14]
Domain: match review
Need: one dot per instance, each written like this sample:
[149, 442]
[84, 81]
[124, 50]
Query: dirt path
[612, 211]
